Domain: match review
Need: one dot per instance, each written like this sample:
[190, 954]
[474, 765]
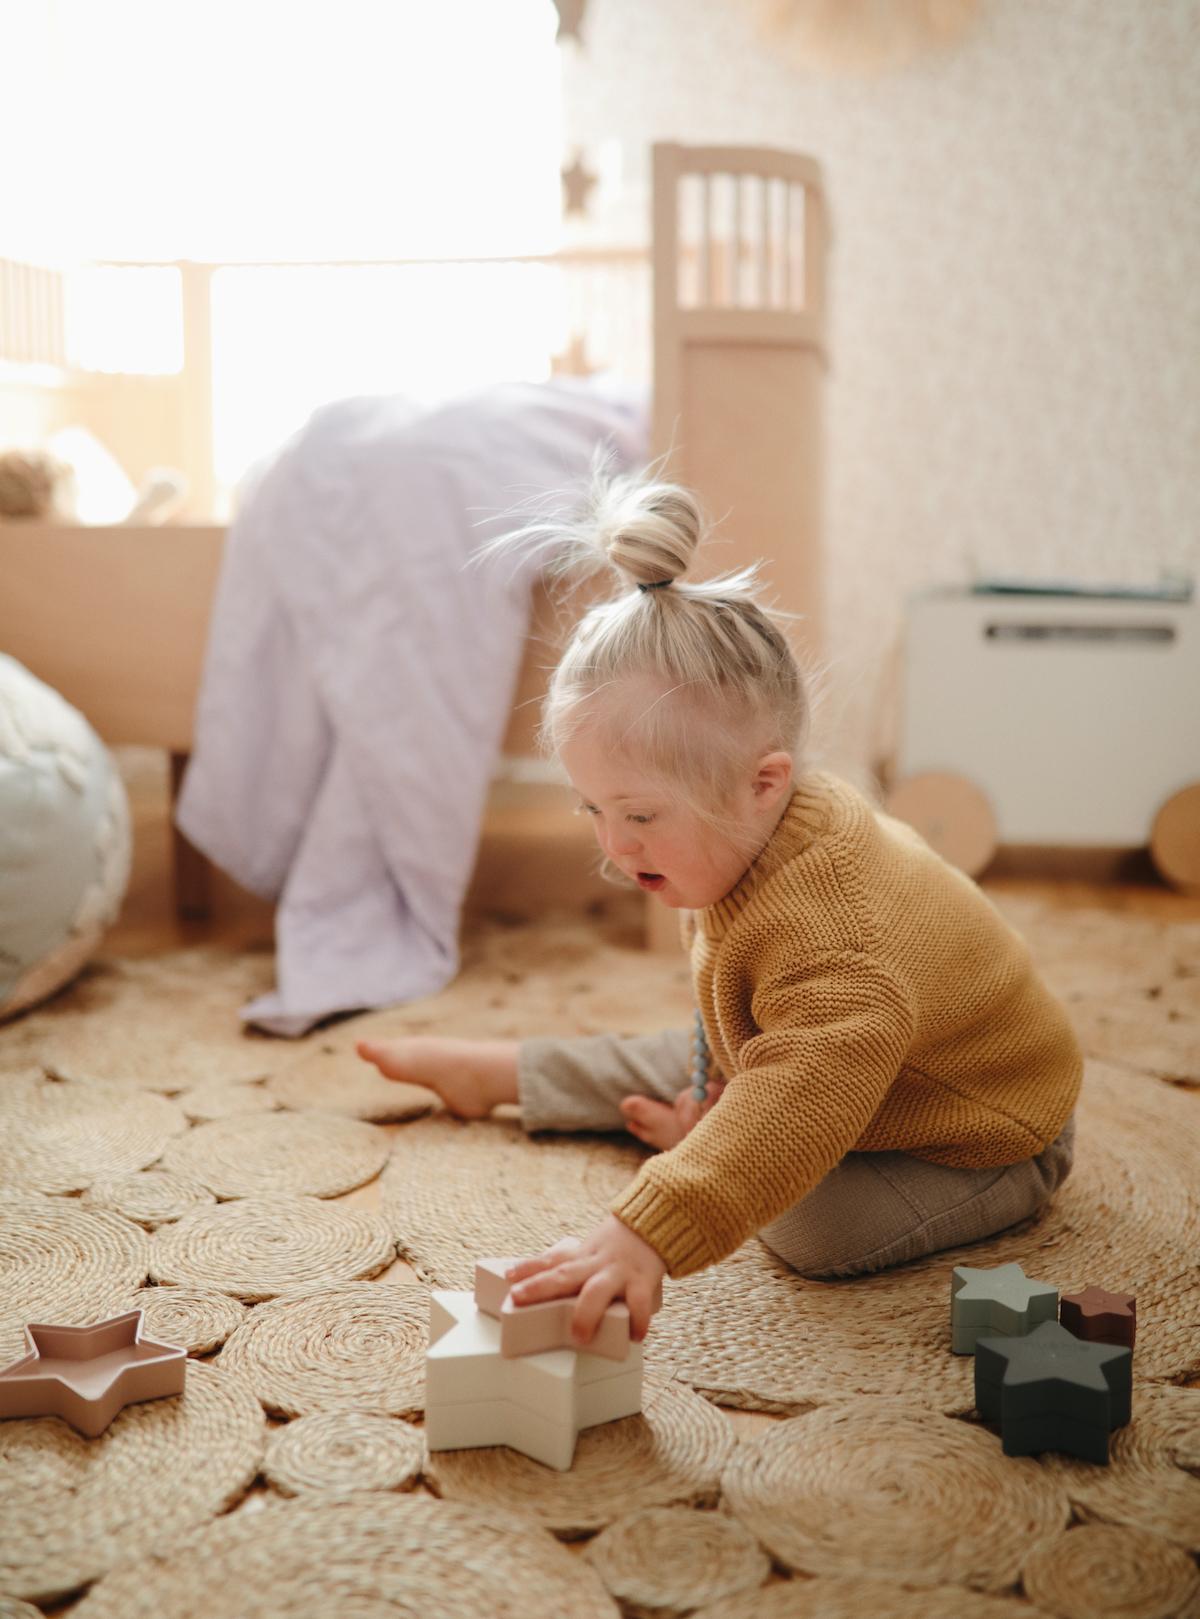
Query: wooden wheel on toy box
[951, 814]
[1175, 839]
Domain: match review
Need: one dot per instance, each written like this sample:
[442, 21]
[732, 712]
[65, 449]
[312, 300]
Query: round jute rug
[159, 1023]
[71, 1508]
[852, 1599]
[664, 1561]
[14, 1608]
[256, 1247]
[218, 1100]
[454, 1190]
[149, 1196]
[198, 1318]
[873, 1487]
[361, 1345]
[65, 1264]
[673, 1452]
[363, 1557]
[750, 1332]
[341, 1452]
[338, 1081]
[1096, 1569]
[320, 1154]
[1151, 1479]
[59, 1137]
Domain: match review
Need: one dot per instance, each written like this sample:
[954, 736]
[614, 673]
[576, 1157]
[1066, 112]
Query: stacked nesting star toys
[498, 1373]
[1052, 1378]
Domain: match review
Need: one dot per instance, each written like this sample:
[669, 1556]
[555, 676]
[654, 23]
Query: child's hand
[610, 1263]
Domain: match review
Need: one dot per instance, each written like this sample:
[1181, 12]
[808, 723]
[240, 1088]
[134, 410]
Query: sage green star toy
[1002, 1299]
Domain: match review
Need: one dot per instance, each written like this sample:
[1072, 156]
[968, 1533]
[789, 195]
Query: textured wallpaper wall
[1015, 285]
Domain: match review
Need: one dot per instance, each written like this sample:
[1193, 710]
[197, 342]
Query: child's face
[657, 840]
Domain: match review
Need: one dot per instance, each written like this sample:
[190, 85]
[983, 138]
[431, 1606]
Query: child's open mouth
[651, 879]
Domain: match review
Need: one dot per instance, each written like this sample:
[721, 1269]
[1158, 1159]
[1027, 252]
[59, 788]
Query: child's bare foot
[471, 1076]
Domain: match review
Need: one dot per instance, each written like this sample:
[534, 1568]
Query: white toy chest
[1056, 720]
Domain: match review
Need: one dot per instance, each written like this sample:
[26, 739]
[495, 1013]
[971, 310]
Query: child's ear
[773, 776]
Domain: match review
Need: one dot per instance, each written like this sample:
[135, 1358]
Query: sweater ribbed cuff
[654, 1216]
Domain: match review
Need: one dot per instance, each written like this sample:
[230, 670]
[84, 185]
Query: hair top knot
[656, 584]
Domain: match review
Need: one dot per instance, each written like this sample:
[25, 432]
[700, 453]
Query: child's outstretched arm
[611, 1262]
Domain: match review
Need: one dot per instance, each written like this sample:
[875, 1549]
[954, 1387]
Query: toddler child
[876, 1070]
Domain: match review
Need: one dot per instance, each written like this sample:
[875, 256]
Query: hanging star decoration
[1002, 1299]
[1101, 1317]
[86, 1375]
[570, 19]
[1049, 1390]
[577, 182]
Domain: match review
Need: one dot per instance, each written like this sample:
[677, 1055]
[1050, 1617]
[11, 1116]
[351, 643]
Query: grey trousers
[872, 1210]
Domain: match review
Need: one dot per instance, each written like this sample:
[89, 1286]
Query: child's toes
[651, 1121]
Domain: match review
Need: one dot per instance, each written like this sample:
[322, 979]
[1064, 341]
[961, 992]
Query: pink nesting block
[86, 1375]
[528, 1329]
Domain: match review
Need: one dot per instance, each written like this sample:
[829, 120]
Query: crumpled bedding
[358, 677]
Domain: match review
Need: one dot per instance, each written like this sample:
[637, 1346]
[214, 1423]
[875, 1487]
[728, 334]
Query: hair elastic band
[657, 584]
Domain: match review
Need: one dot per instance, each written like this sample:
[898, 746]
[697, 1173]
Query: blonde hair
[727, 686]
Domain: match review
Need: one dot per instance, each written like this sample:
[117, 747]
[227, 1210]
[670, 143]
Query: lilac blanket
[358, 678]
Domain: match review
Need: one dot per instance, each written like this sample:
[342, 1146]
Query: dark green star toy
[1050, 1390]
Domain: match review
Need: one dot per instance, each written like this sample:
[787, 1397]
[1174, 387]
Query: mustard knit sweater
[858, 994]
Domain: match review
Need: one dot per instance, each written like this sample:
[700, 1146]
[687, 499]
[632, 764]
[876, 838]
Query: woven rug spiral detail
[751, 1333]
[63, 1263]
[343, 1453]
[363, 1557]
[673, 1452]
[669, 1560]
[1097, 1569]
[338, 1081]
[855, 1599]
[59, 1137]
[218, 1100]
[196, 1318]
[72, 1508]
[872, 1487]
[360, 1345]
[149, 1196]
[315, 1154]
[257, 1247]
[160, 1023]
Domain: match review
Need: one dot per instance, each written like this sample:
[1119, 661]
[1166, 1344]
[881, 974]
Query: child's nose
[626, 842]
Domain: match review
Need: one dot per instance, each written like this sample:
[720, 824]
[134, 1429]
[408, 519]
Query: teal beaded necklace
[701, 1059]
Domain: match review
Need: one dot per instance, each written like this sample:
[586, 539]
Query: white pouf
[65, 839]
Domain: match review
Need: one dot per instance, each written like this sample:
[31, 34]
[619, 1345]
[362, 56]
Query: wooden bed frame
[116, 619]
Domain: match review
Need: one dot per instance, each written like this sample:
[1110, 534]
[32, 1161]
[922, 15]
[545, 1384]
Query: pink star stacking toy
[86, 1375]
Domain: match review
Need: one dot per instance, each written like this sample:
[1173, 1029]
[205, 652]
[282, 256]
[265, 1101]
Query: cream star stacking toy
[501, 1374]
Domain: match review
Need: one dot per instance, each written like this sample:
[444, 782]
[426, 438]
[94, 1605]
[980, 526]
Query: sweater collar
[816, 802]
